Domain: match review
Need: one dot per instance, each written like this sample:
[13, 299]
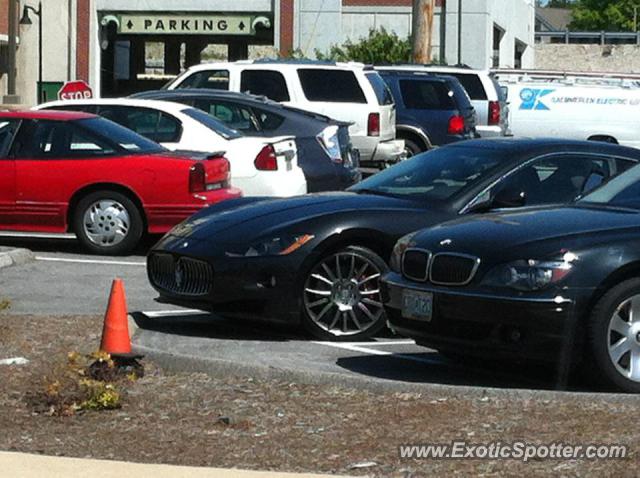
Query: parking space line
[366, 350]
[164, 313]
[89, 261]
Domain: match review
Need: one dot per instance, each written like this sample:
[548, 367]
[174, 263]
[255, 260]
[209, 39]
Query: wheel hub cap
[624, 338]
[342, 294]
[106, 223]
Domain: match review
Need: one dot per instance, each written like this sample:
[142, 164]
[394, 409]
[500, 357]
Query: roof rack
[568, 77]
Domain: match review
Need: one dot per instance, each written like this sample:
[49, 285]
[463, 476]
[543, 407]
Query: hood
[250, 217]
[500, 234]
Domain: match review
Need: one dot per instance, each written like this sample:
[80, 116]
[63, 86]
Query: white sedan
[259, 166]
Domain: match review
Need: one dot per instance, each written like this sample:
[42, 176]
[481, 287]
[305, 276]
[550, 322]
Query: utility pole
[443, 31]
[459, 32]
[422, 28]
[11, 97]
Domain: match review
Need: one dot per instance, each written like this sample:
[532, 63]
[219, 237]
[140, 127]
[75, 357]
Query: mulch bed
[239, 422]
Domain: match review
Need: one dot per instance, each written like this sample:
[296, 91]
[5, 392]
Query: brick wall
[83, 19]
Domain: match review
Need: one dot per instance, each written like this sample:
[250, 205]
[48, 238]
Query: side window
[152, 124]
[214, 79]
[235, 116]
[472, 83]
[58, 139]
[331, 85]
[8, 128]
[268, 121]
[426, 95]
[265, 82]
[557, 179]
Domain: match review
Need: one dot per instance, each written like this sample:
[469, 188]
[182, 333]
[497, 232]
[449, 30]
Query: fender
[417, 131]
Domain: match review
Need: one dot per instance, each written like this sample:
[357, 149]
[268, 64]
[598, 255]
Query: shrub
[378, 47]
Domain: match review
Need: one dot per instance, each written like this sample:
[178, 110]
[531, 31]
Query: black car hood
[246, 218]
[498, 234]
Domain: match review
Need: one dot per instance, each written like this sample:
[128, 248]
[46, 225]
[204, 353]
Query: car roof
[167, 106]
[286, 63]
[443, 68]
[427, 75]
[541, 145]
[47, 115]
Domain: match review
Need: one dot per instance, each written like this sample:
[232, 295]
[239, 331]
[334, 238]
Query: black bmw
[317, 259]
[552, 284]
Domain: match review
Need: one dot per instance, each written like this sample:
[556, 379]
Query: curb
[179, 363]
[15, 256]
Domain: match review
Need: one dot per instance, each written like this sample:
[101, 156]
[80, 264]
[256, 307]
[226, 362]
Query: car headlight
[329, 141]
[404, 243]
[275, 246]
[530, 275]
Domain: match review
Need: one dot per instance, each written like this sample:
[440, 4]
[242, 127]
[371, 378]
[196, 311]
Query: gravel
[243, 422]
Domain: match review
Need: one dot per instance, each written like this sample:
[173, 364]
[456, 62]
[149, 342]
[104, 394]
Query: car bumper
[255, 287]
[389, 151]
[486, 131]
[478, 323]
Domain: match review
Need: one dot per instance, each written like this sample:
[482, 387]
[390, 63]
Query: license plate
[417, 305]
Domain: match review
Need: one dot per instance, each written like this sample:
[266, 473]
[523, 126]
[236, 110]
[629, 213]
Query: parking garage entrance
[142, 51]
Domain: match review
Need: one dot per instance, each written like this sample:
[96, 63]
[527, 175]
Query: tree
[607, 15]
[379, 47]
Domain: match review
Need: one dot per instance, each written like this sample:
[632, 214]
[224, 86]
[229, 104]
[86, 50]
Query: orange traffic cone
[115, 333]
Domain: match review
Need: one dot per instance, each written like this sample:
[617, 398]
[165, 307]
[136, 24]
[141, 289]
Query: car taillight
[494, 112]
[197, 178]
[373, 124]
[266, 159]
[456, 125]
[209, 175]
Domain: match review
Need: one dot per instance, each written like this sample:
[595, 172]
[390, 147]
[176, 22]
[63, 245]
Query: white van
[602, 109]
[349, 92]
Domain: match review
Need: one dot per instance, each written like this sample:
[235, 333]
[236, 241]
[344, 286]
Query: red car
[76, 172]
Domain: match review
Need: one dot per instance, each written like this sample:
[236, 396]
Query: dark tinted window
[233, 115]
[212, 123]
[383, 93]
[268, 121]
[623, 190]
[215, 79]
[153, 124]
[266, 83]
[436, 175]
[59, 139]
[472, 84]
[8, 129]
[331, 85]
[121, 136]
[558, 179]
[426, 95]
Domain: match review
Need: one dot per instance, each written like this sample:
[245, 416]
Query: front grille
[453, 269]
[415, 264]
[180, 275]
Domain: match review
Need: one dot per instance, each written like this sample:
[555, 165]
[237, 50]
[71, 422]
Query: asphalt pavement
[63, 280]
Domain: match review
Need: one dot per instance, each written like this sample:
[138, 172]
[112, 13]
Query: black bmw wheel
[341, 295]
[614, 336]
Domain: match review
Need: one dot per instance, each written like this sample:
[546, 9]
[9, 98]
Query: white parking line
[365, 350]
[178, 312]
[90, 261]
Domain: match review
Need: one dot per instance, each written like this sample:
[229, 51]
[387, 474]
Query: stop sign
[75, 90]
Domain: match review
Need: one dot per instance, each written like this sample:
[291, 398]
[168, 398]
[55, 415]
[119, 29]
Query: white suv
[486, 97]
[349, 92]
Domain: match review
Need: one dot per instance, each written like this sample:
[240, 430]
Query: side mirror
[509, 197]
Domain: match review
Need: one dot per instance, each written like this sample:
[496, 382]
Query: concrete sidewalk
[22, 465]
[10, 256]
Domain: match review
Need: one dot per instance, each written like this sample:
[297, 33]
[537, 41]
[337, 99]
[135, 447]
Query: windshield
[212, 123]
[621, 191]
[121, 136]
[436, 175]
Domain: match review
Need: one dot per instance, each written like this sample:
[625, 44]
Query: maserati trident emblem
[446, 242]
[179, 273]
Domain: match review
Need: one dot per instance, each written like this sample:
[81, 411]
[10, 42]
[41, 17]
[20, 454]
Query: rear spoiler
[200, 155]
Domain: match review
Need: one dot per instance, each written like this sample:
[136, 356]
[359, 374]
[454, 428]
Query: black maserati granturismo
[555, 283]
[317, 259]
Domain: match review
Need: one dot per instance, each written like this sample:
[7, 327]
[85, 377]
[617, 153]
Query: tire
[341, 295]
[613, 338]
[107, 223]
[412, 148]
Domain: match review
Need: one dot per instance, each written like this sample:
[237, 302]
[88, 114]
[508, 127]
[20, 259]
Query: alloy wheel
[623, 338]
[106, 222]
[342, 294]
